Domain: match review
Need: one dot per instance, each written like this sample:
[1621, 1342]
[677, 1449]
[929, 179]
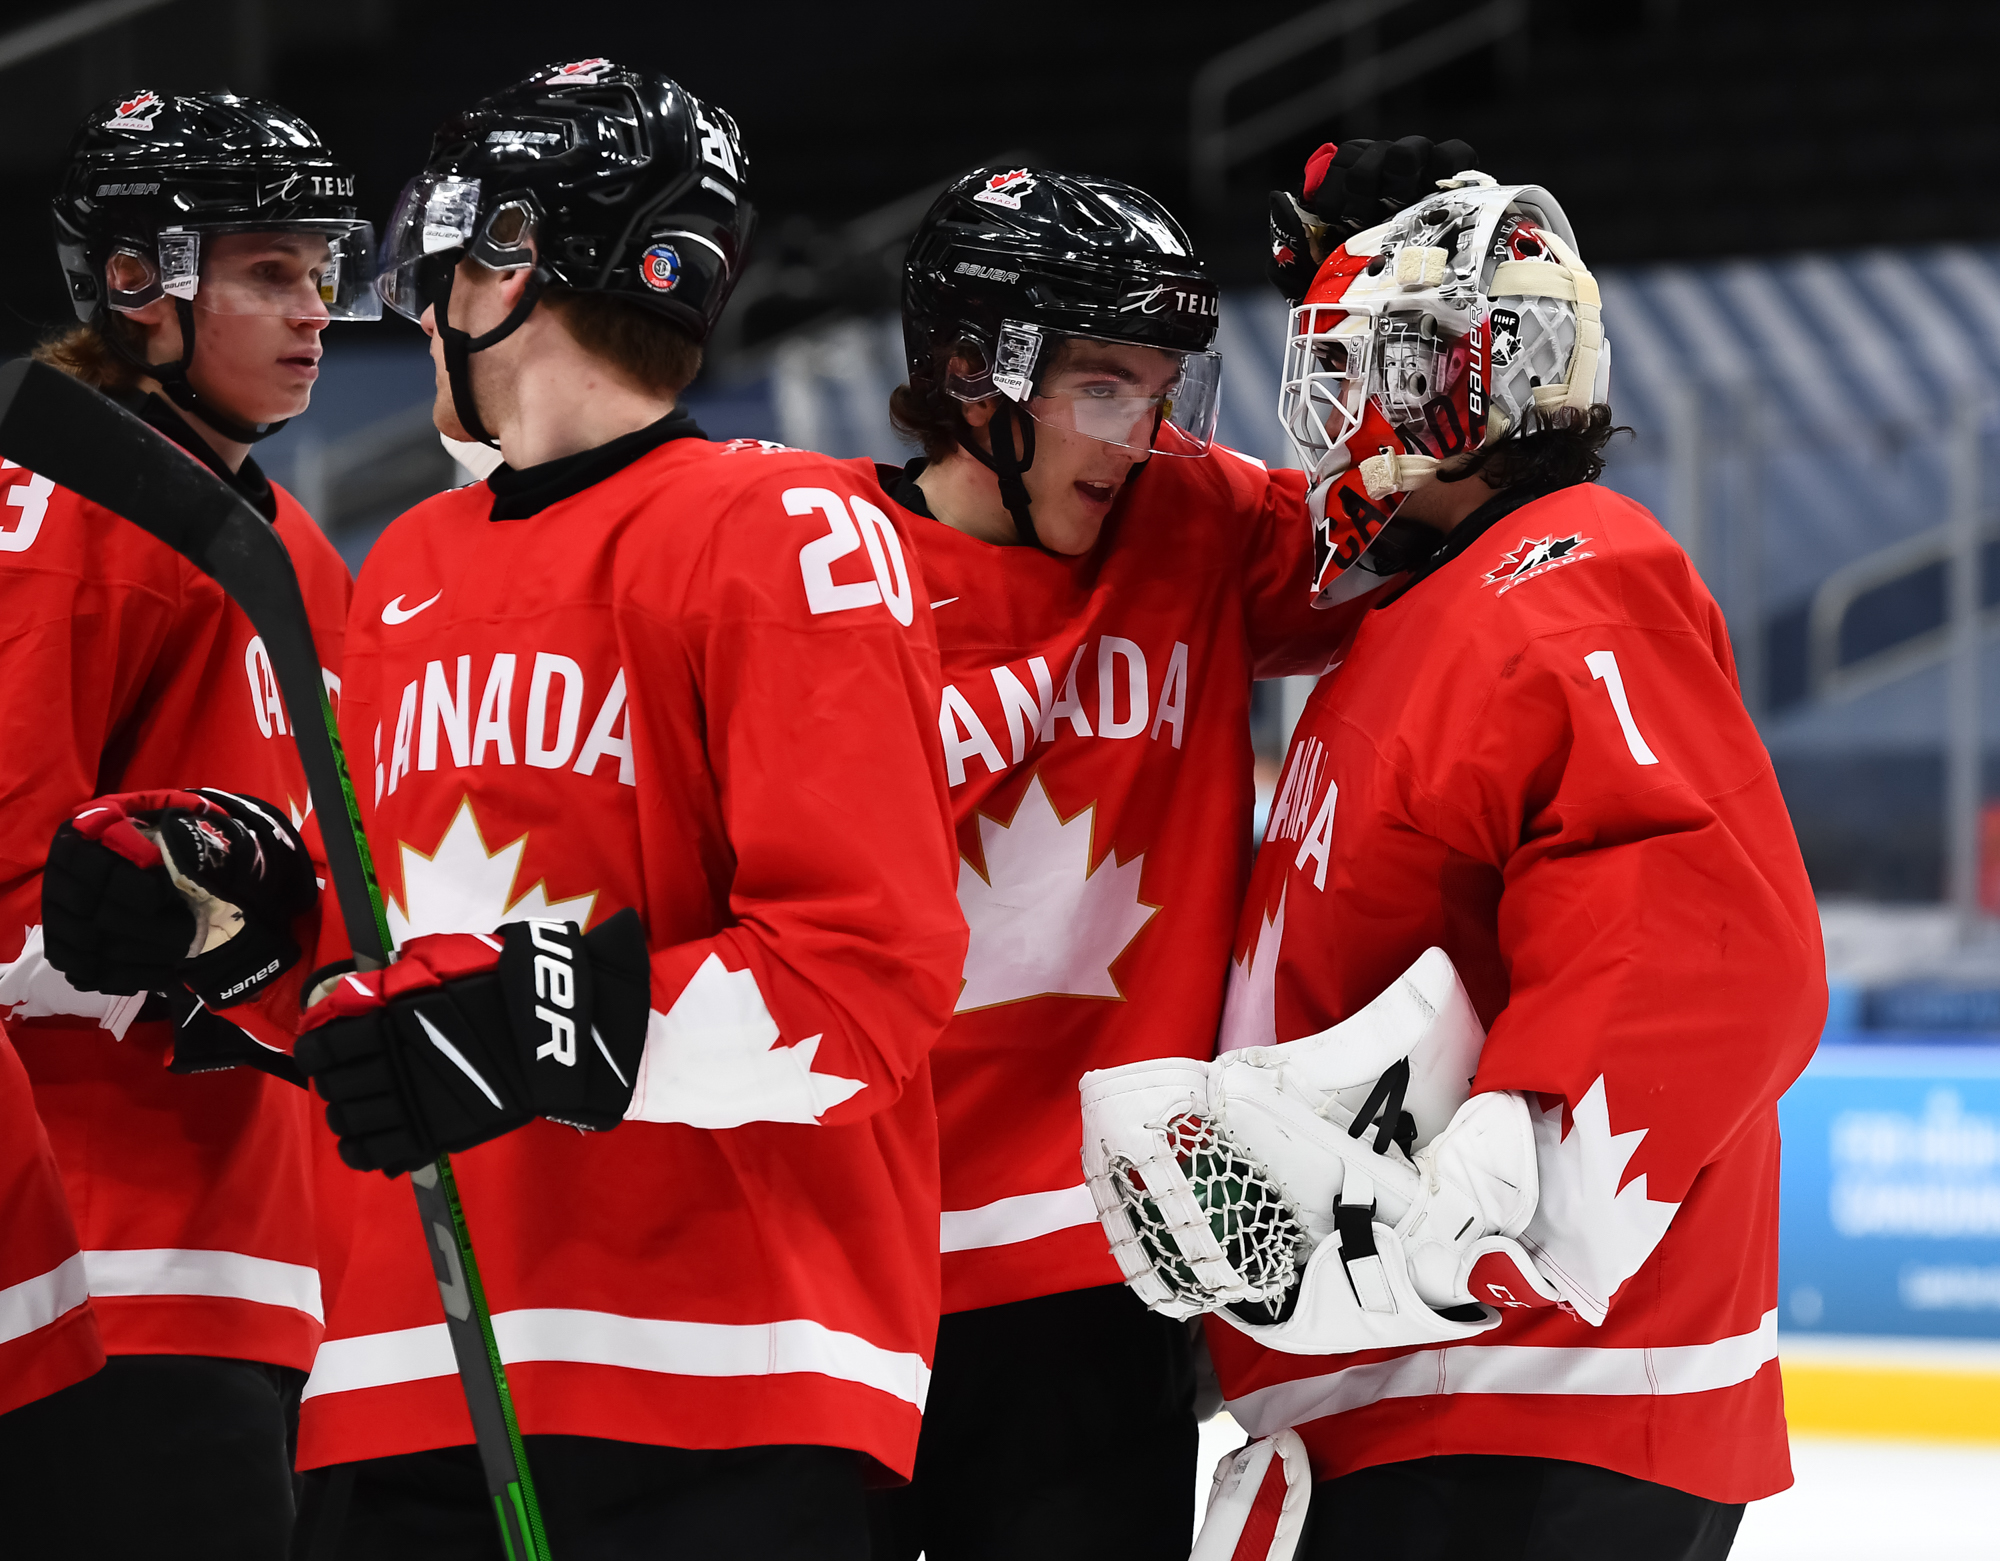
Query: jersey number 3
[891, 585]
[31, 498]
[1604, 669]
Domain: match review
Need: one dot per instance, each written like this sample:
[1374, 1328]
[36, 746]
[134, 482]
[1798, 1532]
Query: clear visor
[1329, 358]
[436, 223]
[316, 270]
[1149, 400]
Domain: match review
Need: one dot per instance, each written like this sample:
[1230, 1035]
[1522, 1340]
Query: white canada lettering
[1110, 651]
[548, 667]
[1025, 716]
[494, 705]
[1036, 714]
[441, 708]
[1295, 792]
[1319, 839]
[437, 726]
[965, 737]
[1173, 695]
[603, 742]
[266, 703]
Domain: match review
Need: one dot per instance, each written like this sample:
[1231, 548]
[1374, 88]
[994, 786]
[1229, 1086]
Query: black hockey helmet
[153, 176]
[629, 184]
[1010, 261]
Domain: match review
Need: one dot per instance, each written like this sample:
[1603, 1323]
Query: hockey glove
[1348, 187]
[151, 890]
[466, 1037]
[206, 1042]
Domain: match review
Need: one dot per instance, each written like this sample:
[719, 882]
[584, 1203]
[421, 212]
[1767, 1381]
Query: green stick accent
[522, 1493]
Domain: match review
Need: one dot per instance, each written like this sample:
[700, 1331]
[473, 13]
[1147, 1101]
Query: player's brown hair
[932, 418]
[81, 352]
[1550, 450]
[645, 347]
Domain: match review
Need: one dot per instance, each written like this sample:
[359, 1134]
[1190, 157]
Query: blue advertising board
[1891, 1207]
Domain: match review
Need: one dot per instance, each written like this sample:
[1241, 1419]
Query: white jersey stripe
[1008, 1220]
[235, 1276]
[1513, 1368]
[35, 1303]
[686, 1349]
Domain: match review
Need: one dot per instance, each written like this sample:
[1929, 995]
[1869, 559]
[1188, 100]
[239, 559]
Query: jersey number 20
[891, 585]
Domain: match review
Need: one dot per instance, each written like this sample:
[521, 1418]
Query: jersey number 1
[1604, 669]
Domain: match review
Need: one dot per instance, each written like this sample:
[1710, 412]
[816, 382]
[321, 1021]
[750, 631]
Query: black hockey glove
[148, 891]
[466, 1037]
[1347, 188]
[206, 1042]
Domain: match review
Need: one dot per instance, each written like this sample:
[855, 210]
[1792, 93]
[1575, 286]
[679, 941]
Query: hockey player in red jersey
[1537, 1318]
[683, 696]
[1107, 583]
[206, 241]
[48, 1334]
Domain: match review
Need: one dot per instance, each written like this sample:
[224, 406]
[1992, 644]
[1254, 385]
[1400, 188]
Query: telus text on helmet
[1162, 297]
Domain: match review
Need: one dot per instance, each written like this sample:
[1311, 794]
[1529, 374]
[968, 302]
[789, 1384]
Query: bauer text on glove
[467, 1036]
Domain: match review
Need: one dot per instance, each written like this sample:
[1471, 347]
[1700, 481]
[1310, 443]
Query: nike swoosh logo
[934, 605]
[395, 612]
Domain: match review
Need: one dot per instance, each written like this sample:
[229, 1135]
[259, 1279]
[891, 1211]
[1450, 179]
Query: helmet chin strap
[1003, 463]
[172, 379]
[459, 348]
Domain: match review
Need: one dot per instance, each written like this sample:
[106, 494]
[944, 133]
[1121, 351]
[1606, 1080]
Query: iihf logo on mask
[555, 982]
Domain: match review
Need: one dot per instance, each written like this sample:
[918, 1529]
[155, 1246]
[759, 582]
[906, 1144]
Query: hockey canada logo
[1533, 558]
[1006, 189]
[660, 268]
[136, 113]
[579, 73]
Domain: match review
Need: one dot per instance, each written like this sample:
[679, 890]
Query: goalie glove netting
[1240, 1209]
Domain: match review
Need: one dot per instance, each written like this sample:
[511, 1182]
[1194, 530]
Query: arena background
[1791, 209]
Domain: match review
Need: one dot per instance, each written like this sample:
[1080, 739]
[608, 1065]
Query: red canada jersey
[127, 669]
[1537, 759]
[1096, 726]
[48, 1334]
[705, 688]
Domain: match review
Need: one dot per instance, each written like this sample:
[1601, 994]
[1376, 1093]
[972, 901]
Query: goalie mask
[1465, 318]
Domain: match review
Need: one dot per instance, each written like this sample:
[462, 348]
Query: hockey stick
[61, 429]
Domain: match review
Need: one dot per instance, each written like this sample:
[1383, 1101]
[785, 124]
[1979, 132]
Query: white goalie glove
[1336, 1193]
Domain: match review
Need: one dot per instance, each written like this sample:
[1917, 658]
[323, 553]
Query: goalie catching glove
[467, 1036]
[147, 891]
[1325, 1195]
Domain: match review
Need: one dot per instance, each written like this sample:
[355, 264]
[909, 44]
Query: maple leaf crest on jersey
[1534, 557]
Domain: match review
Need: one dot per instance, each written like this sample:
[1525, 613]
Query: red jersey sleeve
[90, 618]
[1667, 981]
[1288, 636]
[841, 946]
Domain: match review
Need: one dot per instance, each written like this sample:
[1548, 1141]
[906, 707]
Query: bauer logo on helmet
[660, 268]
[136, 113]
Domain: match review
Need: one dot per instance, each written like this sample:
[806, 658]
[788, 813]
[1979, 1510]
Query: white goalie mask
[1455, 322]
